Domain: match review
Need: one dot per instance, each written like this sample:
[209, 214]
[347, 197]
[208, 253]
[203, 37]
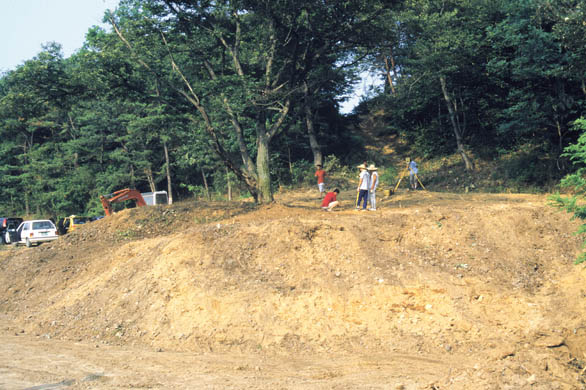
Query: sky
[361, 89]
[27, 24]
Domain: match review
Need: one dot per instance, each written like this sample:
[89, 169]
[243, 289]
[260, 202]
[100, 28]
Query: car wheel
[28, 243]
[7, 238]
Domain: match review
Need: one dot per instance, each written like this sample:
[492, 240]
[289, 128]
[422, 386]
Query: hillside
[432, 291]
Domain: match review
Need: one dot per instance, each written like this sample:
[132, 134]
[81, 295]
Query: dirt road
[30, 363]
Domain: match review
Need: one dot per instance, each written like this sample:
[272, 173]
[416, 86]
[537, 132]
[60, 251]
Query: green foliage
[530, 65]
[198, 191]
[302, 173]
[513, 69]
[576, 182]
[530, 166]
[388, 176]
[332, 164]
[74, 128]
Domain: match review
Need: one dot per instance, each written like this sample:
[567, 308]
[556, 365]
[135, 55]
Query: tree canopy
[191, 96]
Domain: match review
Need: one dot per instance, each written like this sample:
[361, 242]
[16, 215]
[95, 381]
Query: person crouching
[329, 201]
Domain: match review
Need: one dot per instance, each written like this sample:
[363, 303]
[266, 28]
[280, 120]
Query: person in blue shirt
[413, 174]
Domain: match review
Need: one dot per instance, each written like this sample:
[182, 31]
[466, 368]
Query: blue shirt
[413, 167]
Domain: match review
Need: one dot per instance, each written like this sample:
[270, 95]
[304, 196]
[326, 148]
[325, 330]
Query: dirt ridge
[482, 283]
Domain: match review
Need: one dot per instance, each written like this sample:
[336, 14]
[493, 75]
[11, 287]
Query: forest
[244, 96]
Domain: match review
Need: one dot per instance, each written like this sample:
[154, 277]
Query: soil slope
[438, 291]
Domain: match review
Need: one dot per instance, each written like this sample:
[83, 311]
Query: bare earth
[431, 291]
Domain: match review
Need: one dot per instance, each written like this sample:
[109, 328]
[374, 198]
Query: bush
[302, 172]
[388, 177]
[332, 164]
[576, 181]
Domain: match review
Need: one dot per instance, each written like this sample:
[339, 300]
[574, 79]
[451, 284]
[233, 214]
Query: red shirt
[320, 173]
[329, 198]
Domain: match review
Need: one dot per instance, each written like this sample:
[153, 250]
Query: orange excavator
[121, 196]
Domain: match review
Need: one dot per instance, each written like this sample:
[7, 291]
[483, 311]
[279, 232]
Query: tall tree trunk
[262, 168]
[26, 189]
[390, 68]
[560, 136]
[205, 184]
[130, 166]
[289, 160]
[307, 106]
[168, 172]
[469, 164]
[149, 174]
[560, 162]
[73, 136]
[27, 207]
[229, 183]
[131, 169]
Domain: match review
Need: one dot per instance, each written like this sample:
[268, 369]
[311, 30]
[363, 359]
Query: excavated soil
[431, 291]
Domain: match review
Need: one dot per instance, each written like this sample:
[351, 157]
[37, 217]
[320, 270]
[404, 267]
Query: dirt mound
[482, 285]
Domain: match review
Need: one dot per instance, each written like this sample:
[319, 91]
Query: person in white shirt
[373, 184]
[363, 186]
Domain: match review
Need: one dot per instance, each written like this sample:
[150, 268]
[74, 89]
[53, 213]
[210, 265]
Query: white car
[37, 231]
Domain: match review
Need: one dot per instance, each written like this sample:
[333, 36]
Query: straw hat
[372, 167]
[361, 166]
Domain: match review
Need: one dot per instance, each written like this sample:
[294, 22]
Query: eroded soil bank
[431, 291]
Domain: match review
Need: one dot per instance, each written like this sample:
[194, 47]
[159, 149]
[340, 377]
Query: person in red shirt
[330, 201]
[320, 174]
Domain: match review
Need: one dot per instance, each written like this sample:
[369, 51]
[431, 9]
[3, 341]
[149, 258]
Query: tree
[437, 57]
[32, 106]
[532, 67]
[255, 88]
[241, 64]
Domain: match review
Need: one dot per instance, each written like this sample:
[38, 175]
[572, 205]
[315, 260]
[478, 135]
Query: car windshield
[42, 225]
[80, 220]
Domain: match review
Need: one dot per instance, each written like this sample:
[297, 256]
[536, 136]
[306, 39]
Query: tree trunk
[559, 160]
[168, 172]
[205, 184]
[560, 136]
[289, 160]
[229, 183]
[27, 208]
[265, 194]
[469, 164]
[131, 171]
[315, 148]
[388, 69]
[149, 174]
[26, 189]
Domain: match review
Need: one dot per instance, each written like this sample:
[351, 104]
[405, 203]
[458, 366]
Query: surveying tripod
[406, 173]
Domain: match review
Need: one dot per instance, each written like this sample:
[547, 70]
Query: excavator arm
[121, 196]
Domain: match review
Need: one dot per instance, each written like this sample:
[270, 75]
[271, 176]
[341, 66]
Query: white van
[155, 198]
[35, 232]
